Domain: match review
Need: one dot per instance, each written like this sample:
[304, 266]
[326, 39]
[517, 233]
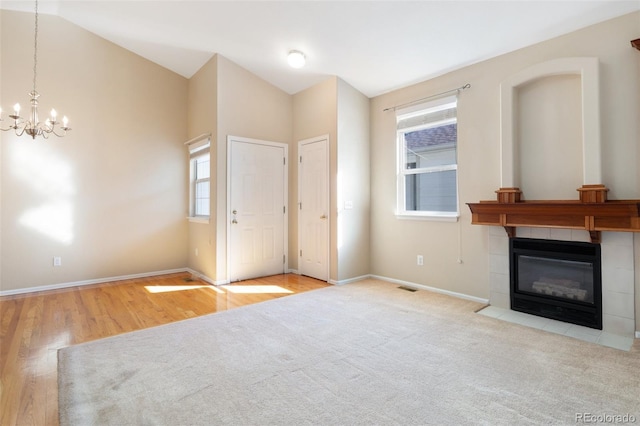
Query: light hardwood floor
[34, 326]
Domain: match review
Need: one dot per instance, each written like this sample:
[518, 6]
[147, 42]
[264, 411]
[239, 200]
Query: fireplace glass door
[557, 279]
[563, 279]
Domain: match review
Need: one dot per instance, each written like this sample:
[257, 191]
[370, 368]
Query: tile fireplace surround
[618, 291]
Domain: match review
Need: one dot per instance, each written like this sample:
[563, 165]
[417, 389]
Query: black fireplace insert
[561, 280]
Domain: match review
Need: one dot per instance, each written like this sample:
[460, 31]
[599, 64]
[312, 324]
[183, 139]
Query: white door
[257, 208]
[313, 204]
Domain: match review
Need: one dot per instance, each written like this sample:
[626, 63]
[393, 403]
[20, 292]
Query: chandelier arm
[57, 134]
[21, 132]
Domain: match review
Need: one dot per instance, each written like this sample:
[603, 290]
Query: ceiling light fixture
[296, 59]
[33, 127]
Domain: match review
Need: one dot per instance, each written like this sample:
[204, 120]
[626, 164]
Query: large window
[199, 182]
[427, 160]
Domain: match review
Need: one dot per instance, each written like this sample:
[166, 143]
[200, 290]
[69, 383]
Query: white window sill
[429, 217]
[196, 219]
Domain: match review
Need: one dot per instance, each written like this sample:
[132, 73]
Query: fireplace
[561, 280]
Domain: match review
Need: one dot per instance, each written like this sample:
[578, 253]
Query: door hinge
[300, 205]
[301, 158]
[300, 253]
[284, 209]
[284, 161]
[284, 259]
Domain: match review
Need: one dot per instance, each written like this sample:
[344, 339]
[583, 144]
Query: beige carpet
[366, 353]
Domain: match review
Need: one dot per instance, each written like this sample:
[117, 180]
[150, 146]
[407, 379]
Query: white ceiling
[376, 46]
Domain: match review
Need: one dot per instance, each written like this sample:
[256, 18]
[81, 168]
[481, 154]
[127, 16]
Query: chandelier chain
[35, 50]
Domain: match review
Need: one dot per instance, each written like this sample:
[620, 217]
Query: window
[200, 165]
[427, 160]
[199, 182]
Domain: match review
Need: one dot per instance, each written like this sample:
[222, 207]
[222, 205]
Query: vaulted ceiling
[376, 46]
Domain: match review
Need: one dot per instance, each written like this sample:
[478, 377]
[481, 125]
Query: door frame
[328, 200]
[285, 183]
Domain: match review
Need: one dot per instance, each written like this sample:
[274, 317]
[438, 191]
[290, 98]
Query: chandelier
[33, 127]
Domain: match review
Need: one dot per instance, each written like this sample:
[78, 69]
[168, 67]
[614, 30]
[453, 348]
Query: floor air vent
[408, 288]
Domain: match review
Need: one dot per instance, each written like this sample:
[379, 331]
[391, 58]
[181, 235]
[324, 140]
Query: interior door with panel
[257, 208]
[313, 204]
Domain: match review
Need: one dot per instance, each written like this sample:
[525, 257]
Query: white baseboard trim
[349, 280]
[223, 282]
[89, 282]
[206, 278]
[434, 289]
[293, 271]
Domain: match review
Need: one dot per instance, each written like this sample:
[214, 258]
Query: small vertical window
[427, 159]
[200, 174]
[200, 165]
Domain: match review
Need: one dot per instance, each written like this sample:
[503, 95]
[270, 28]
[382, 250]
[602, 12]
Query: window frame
[401, 151]
[195, 180]
[199, 148]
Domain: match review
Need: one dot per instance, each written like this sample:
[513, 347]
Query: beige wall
[1, 185]
[636, 238]
[247, 107]
[203, 119]
[315, 114]
[395, 243]
[336, 109]
[549, 138]
[353, 183]
[109, 198]
[227, 100]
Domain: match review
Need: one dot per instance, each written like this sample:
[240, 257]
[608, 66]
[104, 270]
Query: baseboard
[222, 282]
[349, 280]
[206, 278]
[89, 282]
[434, 289]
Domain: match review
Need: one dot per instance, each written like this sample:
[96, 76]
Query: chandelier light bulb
[296, 59]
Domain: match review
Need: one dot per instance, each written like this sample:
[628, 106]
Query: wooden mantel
[592, 212]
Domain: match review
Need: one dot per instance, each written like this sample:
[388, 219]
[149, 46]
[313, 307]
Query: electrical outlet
[57, 261]
[420, 260]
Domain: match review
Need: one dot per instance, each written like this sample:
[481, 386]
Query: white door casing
[257, 208]
[313, 207]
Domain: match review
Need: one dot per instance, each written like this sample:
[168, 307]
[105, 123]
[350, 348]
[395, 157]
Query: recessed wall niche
[548, 125]
[530, 110]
